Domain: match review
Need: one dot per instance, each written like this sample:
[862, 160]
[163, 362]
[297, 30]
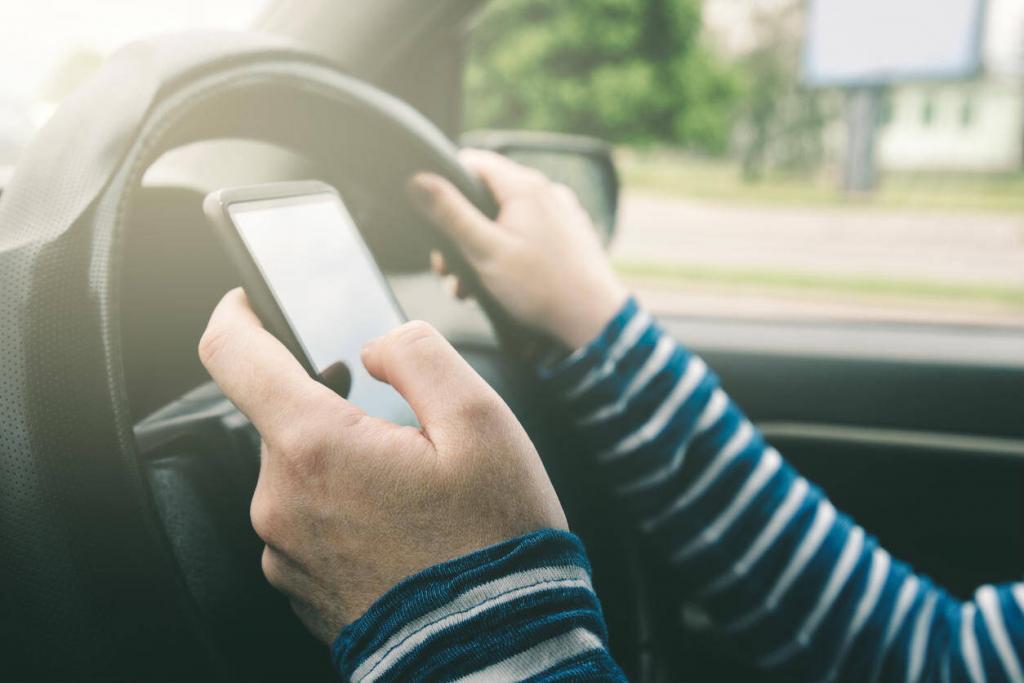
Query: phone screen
[328, 286]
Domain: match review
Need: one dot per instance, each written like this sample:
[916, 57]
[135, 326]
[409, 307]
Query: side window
[733, 165]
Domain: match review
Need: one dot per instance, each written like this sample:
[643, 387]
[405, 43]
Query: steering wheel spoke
[201, 422]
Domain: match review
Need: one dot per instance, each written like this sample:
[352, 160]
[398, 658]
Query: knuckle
[304, 446]
[566, 193]
[519, 252]
[478, 408]
[272, 569]
[415, 331]
[292, 441]
[349, 420]
[414, 337]
[210, 345]
[266, 519]
[536, 178]
[446, 209]
[552, 194]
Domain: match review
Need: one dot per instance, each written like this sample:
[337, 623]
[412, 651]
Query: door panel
[916, 432]
[922, 442]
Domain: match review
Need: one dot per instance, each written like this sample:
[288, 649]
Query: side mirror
[584, 164]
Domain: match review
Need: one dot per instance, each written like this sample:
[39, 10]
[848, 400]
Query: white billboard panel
[873, 42]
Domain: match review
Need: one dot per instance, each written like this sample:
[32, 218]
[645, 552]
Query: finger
[437, 263]
[567, 195]
[457, 288]
[253, 368]
[504, 177]
[427, 371]
[476, 235]
[460, 290]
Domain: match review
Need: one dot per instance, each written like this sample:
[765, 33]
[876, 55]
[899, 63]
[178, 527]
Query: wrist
[588, 314]
[467, 614]
[563, 374]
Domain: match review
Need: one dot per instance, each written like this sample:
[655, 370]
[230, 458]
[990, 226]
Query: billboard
[877, 42]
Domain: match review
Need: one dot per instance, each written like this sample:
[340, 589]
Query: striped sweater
[797, 584]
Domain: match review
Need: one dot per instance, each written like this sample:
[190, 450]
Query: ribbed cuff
[486, 611]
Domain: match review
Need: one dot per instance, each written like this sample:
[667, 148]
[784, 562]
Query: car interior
[125, 476]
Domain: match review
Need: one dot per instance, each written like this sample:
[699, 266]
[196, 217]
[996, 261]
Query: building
[973, 126]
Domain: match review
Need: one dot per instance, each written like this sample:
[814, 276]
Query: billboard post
[863, 105]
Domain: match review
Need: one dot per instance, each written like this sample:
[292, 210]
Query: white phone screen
[328, 286]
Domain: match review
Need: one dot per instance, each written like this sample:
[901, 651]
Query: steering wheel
[127, 547]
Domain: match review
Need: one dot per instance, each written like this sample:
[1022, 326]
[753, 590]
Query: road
[956, 248]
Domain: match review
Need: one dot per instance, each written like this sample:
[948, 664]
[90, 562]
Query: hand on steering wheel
[540, 258]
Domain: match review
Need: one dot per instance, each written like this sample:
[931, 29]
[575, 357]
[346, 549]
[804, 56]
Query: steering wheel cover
[82, 540]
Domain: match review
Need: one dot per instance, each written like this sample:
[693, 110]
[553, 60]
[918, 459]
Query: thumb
[476, 235]
[428, 372]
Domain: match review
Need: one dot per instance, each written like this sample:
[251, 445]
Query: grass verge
[677, 174]
[1005, 296]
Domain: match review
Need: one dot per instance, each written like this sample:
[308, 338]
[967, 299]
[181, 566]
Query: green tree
[629, 71]
[781, 123]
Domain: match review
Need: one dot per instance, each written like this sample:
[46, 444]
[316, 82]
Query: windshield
[49, 48]
[793, 159]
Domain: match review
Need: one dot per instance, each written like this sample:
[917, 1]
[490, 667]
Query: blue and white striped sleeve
[522, 609]
[759, 549]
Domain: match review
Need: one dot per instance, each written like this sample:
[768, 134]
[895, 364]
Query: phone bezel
[261, 296]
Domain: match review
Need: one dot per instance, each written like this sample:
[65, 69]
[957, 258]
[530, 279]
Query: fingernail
[370, 344]
[436, 262]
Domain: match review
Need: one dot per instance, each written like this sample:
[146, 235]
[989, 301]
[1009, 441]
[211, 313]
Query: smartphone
[312, 280]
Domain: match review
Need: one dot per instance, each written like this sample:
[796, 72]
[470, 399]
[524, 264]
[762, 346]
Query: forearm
[753, 544]
[523, 608]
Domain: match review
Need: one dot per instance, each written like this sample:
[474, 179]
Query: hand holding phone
[312, 281]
